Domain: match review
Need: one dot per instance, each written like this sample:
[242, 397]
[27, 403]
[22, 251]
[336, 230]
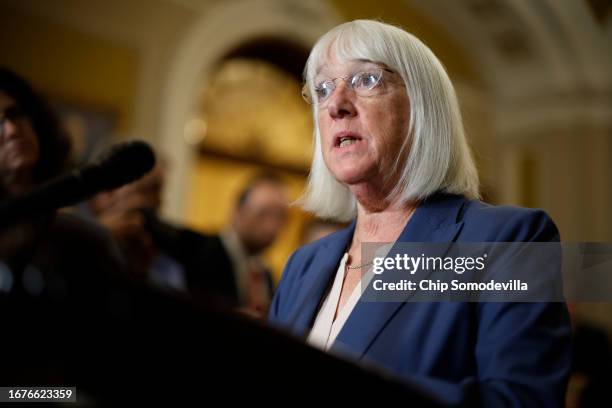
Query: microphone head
[123, 163]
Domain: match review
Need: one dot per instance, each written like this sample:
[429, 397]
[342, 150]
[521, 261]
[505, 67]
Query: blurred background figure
[33, 147]
[32, 150]
[259, 215]
[126, 213]
[226, 266]
[53, 254]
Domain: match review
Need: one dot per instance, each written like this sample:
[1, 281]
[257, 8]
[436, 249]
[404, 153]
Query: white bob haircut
[439, 158]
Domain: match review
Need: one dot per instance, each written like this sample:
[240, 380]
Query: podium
[129, 343]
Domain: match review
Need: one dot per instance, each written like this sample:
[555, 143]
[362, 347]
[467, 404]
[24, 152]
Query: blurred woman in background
[33, 147]
[53, 253]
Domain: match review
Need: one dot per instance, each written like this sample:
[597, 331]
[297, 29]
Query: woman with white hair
[390, 154]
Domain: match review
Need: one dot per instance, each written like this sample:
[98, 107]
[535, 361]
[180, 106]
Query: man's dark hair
[54, 144]
[259, 178]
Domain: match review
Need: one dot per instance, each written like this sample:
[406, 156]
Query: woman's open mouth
[344, 139]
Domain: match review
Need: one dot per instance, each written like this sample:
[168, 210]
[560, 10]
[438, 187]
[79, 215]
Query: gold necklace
[358, 266]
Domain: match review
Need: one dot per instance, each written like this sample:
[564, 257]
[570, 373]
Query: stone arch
[217, 32]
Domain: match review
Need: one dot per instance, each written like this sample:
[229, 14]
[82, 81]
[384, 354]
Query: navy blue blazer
[496, 354]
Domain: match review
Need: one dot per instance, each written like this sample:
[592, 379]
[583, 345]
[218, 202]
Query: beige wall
[70, 65]
[110, 54]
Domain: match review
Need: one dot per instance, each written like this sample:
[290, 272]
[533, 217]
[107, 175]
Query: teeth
[346, 141]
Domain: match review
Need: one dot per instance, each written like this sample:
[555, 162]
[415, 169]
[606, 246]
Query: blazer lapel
[435, 220]
[317, 279]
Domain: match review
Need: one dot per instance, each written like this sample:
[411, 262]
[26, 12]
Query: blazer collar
[318, 277]
[435, 220]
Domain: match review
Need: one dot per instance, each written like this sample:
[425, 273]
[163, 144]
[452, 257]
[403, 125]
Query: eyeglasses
[12, 113]
[363, 83]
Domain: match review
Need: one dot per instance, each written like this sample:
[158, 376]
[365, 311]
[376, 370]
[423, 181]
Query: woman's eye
[323, 90]
[365, 80]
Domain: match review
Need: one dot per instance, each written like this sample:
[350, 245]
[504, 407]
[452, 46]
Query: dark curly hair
[52, 139]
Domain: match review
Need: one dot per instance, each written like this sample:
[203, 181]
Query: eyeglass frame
[306, 91]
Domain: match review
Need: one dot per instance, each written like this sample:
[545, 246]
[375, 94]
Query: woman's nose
[341, 102]
[8, 128]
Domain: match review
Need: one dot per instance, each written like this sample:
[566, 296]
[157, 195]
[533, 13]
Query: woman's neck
[379, 217]
[382, 225]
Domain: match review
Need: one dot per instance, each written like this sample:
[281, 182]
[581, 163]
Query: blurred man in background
[125, 212]
[259, 216]
[225, 268]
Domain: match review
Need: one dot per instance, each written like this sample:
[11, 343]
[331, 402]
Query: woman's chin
[351, 177]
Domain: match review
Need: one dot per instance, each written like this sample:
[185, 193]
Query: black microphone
[121, 164]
